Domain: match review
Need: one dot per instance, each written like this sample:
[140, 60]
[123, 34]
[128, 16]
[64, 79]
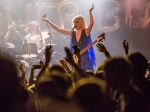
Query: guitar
[77, 53]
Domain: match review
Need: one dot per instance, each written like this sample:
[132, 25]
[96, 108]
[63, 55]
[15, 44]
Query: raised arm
[70, 60]
[31, 78]
[48, 53]
[60, 30]
[23, 79]
[88, 30]
[103, 49]
[126, 47]
[8, 33]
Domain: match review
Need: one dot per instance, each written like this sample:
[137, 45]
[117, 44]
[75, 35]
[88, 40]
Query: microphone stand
[41, 38]
[41, 57]
[49, 33]
[25, 42]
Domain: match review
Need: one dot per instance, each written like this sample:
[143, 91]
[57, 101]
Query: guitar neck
[87, 47]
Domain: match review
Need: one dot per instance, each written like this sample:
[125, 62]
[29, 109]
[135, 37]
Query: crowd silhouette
[120, 84]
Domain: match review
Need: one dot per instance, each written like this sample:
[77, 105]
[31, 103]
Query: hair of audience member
[139, 64]
[58, 68]
[100, 75]
[55, 83]
[90, 93]
[12, 94]
[46, 87]
[32, 88]
[58, 72]
[90, 73]
[100, 68]
[117, 70]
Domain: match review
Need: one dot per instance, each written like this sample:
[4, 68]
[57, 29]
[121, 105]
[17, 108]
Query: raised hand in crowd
[69, 57]
[31, 78]
[103, 49]
[23, 80]
[48, 53]
[125, 46]
[70, 60]
[91, 8]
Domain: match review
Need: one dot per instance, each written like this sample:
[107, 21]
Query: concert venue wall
[118, 19]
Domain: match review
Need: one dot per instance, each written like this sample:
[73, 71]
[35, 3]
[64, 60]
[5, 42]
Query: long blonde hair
[82, 20]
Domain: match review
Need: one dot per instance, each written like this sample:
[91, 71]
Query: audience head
[100, 72]
[54, 84]
[100, 68]
[91, 94]
[12, 95]
[117, 71]
[90, 73]
[139, 64]
[100, 75]
[57, 68]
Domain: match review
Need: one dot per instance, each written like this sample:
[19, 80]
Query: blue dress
[87, 58]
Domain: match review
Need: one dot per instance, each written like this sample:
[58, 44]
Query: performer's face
[77, 23]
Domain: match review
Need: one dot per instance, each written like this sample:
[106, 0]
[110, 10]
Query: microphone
[73, 28]
[44, 16]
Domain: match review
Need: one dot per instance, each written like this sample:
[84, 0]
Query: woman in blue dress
[80, 37]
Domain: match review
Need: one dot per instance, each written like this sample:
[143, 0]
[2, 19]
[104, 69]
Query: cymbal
[43, 34]
[29, 55]
[7, 44]
[43, 45]
[50, 44]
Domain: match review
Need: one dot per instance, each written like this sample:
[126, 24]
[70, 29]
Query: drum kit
[29, 51]
[6, 45]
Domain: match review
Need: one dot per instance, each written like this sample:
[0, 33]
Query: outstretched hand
[101, 47]
[125, 46]
[48, 53]
[45, 19]
[91, 8]
[70, 60]
[69, 57]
